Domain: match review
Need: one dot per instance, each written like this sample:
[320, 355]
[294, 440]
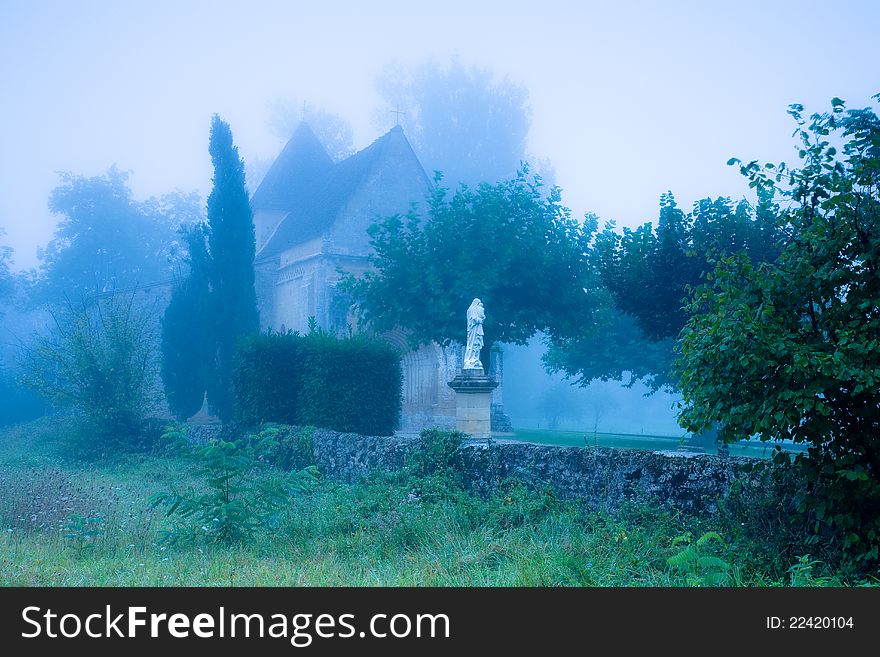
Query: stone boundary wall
[602, 477]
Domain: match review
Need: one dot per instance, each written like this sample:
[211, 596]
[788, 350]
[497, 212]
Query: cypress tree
[233, 300]
[186, 334]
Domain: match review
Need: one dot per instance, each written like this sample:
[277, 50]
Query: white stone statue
[475, 316]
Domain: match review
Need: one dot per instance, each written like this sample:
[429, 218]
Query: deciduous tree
[508, 243]
[790, 350]
[106, 240]
[648, 273]
[98, 358]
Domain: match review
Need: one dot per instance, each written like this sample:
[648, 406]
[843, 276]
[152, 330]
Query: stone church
[311, 217]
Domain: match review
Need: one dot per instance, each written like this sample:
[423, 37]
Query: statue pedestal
[473, 402]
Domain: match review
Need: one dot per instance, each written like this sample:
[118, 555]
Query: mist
[537, 400]
[626, 101]
[616, 105]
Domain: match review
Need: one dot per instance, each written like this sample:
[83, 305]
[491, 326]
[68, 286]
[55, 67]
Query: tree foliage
[98, 359]
[106, 240]
[233, 301]
[460, 120]
[616, 350]
[186, 332]
[790, 350]
[516, 249]
[648, 273]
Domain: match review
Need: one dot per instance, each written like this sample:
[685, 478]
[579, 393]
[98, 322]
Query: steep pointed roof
[317, 211]
[294, 173]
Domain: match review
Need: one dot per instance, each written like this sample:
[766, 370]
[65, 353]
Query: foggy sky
[628, 99]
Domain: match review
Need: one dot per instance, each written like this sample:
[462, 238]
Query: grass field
[71, 522]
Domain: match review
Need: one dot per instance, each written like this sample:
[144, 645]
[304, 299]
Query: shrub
[789, 350]
[98, 358]
[267, 375]
[701, 560]
[350, 384]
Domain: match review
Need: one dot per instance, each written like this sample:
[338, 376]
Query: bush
[789, 350]
[267, 375]
[293, 448]
[350, 384]
[436, 453]
[99, 359]
[702, 561]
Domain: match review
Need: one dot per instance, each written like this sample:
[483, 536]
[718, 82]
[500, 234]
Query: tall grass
[396, 530]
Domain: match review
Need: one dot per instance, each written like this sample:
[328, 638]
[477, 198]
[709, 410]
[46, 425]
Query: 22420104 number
[820, 622]
[810, 623]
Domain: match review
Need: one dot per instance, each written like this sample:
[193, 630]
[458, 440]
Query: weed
[699, 560]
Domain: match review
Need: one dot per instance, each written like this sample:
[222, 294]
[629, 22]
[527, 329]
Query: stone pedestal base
[500, 420]
[473, 402]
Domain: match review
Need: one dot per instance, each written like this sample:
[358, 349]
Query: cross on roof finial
[304, 111]
[398, 113]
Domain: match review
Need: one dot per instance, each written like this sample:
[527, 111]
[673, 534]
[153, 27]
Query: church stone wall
[310, 249]
[264, 286]
[601, 477]
[296, 291]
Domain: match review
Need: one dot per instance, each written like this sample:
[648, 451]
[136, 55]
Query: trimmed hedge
[350, 384]
[266, 375]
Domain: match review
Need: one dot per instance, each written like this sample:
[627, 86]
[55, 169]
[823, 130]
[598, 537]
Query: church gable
[341, 201]
[289, 186]
[393, 180]
[290, 179]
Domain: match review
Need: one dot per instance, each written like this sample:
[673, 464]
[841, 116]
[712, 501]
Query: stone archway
[426, 401]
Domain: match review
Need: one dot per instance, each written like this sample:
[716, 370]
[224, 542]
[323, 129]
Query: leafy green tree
[790, 350]
[186, 333]
[233, 300]
[98, 359]
[648, 273]
[460, 120]
[509, 244]
[106, 240]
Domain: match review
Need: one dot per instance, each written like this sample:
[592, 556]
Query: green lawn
[387, 530]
